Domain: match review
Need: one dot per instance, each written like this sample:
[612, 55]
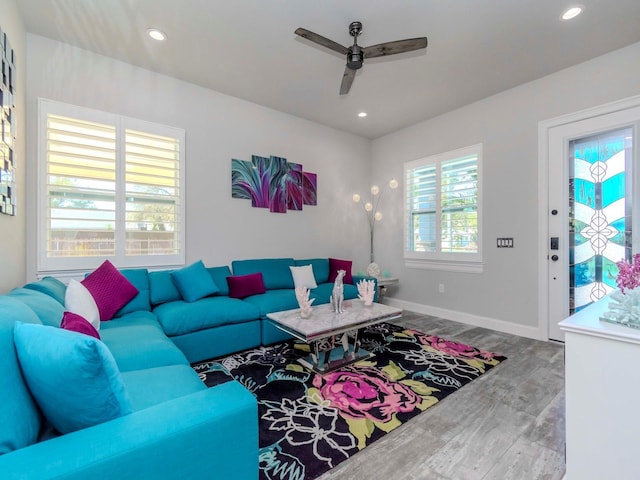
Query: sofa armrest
[357, 278]
[211, 434]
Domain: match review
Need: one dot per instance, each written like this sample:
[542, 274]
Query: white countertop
[587, 322]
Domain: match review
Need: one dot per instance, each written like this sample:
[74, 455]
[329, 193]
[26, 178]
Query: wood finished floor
[508, 424]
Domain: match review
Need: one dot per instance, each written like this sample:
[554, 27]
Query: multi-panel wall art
[7, 127]
[273, 183]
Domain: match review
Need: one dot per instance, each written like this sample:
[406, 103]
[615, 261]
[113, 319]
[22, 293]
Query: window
[109, 187]
[443, 211]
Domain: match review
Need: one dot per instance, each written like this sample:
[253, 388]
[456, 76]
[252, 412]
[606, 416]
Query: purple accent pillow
[77, 323]
[241, 286]
[335, 265]
[110, 289]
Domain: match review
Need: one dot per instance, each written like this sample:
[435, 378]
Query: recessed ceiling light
[362, 114]
[572, 12]
[156, 34]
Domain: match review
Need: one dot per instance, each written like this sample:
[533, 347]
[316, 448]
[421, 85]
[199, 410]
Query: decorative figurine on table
[337, 296]
[366, 291]
[302, 296]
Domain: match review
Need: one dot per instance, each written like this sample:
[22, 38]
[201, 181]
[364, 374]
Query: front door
[591, 183]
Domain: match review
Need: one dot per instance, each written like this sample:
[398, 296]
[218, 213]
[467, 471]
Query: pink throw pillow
[335, 265]
[241, 286]
[110, 289]
[77, 323]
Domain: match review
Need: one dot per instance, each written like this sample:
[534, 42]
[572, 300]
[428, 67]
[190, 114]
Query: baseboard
[467, 318]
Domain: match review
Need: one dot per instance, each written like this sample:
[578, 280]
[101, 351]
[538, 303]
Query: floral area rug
[309, 423]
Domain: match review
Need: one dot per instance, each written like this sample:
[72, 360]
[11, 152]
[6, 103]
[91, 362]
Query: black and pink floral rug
[310, 423]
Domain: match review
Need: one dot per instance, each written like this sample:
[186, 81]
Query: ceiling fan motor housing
[355, 57]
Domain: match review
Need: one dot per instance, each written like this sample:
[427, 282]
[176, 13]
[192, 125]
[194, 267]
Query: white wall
[505, 295]
[218, 128]
[13, 228]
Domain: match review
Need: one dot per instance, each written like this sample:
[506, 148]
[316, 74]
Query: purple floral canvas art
[273, 183]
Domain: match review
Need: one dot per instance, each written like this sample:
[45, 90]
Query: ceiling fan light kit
[356, 54]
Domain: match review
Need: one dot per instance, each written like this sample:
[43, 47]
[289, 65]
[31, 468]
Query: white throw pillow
[78, 300]
[303, 276]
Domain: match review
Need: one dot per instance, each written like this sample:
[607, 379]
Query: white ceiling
[247, 48]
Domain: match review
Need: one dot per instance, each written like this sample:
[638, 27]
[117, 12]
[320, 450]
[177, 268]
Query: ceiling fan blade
[347, 80]
[391, 48]
[320, 40]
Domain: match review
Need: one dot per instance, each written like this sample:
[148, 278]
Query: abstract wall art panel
[294, 187]
[310, 188]
[273, 183]
[7, 127]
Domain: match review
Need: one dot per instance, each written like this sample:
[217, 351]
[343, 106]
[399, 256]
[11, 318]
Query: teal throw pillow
[73, 377]
[194, 282]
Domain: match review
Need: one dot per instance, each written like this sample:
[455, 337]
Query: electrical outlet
[441, 288]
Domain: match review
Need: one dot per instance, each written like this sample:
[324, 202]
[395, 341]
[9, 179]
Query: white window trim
[446, 261]
[73, 265]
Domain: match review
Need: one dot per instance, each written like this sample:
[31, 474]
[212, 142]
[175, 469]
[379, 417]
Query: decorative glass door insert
[600, 212]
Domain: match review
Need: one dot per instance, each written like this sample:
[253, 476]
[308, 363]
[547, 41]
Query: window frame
[469, 262]
[121, 123]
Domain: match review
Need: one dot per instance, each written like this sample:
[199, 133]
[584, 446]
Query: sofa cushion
[161, 288]
[179, 318]
[139, 278]
[157, 385]
[130, 353]
[134, 318]
[77, 323]
[49, 310]
[320, 268]
[110, 289]
[219, 275]
[73, 377]
[194, 282]
[275, 271]
[241, 286]
[335, 265]
[51, 286]
[303, 276]
[78, 300]
[20, 420]
[274, 301]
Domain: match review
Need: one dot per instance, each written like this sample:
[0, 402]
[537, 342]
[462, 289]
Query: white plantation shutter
[110, 187]
[422, 198]
[442, 212]
[459, 203]
[152, 194]
[81, 181]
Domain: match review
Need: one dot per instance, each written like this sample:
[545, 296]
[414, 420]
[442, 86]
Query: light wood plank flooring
[508, 424]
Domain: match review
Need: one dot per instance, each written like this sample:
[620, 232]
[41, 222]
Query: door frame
[544, 128]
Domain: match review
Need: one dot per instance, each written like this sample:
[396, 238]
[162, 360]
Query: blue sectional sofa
[176, 428]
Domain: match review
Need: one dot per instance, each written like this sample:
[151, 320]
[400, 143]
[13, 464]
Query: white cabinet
[602, 378]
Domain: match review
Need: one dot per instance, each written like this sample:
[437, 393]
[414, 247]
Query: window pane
[153, 194]
[81, 174]
[459, 221]
[424, 232]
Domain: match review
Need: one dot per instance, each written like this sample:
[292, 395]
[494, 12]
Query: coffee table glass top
[324, 323]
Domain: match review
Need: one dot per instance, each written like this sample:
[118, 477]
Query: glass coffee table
[333, 337]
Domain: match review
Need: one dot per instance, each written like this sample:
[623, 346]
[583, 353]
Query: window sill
[445, 265]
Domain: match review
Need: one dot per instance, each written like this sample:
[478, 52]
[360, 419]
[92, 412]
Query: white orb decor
[373, 270]
[368, 206]
[356, 197]
[375, 190]
[393, 183]
[378, 216]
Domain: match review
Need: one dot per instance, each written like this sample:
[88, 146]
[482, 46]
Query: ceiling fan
[357, 54]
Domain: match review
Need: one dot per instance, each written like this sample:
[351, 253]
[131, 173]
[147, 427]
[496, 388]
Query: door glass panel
[600, 207]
